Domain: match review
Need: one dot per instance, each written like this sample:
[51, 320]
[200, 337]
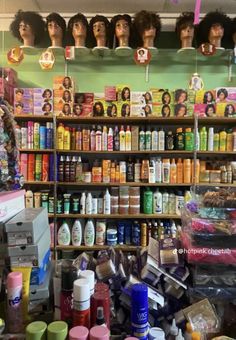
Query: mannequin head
[234, 31]
[56, 27]
[147, 26]
[28, 27]
[185, 29]
[214, 27]
[121, 30]
[99, 29]
[78, 29]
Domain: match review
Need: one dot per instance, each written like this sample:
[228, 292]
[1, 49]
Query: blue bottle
[139, 311]
[42, 137]
[49, 135]
[121, 232]
[136, 233]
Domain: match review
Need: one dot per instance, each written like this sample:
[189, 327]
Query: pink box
[23, 100]
[110, 93]
[11, 202]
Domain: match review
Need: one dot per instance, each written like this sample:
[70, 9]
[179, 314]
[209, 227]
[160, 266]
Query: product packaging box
[134, 138]
[205, 97]
[63, 95]
[137, 111]
[226, 109]
[137, 98]
[11, 203]
[110, 93]
[166, 110]
[38, 274]
[83, 104]
[123, 109]
[42, 291]
[111, 109]
[23, 101]
[181, 96]
[123, 93]
[31, 255]
[225, 94]
[43, 101]
[27, 226]
[162, 96]
[99, 104]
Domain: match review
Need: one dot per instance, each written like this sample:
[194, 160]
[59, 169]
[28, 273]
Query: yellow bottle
[223, 136]
[173, 171]
[187, 171]
[67, 139]
[197, 171]
[60, 136]
[229, 141]
[179, 171]
[196, 336]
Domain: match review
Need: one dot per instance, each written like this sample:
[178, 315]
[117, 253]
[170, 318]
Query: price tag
[70, 52]
[142, 56]
[207, 49]
[47, 60]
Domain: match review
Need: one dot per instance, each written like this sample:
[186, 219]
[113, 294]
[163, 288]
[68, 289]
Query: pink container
[79, 333]
[99, 333]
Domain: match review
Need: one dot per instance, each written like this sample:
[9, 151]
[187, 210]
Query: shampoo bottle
[104, 138]
[210, 145]
[110, 140]
[157, 202]
[203, 139]
[128, 139]
[107, 203]
[76, 233]
[89, 233]
[63, 236]
[83, 203]
[89, 203]
[93, 139]
[122, 138]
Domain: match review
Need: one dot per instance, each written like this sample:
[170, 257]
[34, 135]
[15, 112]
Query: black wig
[95, 19]
[113, 40]
[59, 20]
[77, 17]
[186, 19]
[144, 20]
[33, 19]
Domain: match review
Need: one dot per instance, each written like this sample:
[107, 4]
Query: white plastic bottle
[210, 146]
[89, 233]
[122, 138]
[157, 202]
[89, 204]
[99, 139]
[166, 171]
[173, 331]
[110, 140]
[76, 234]
[165, 203]
[158, 170]
[107, 203]
[63, 235]
[104, 138]
[161, 140]
[83, 203]
[152, 172]
[154, 140]
[93, 139]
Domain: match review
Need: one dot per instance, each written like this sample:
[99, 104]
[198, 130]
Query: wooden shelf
[118, 216]
[37, 150]
[216, 120]
[215, 153]
[129, 184]
[33, 117]
[38, 183]
[138, 152]
[232, 185]
[95, 247]
[126, 120]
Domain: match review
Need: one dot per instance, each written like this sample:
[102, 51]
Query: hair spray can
[31, 167]
[30, 135]
[45, 168]
[42, 137]
[38, 167]
[139, 311]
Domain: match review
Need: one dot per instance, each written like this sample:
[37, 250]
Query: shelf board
[216, 120]
[126, 120]
[231, 185]
[95, 247]
[37, 150]
[118, 216]
[130, 184]
[33, 117]
[39, 183]
[215, 153]
[138, 152]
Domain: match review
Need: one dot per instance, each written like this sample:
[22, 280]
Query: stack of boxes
[38, 101]
[63, 92]
[8, 82]
[28, 238]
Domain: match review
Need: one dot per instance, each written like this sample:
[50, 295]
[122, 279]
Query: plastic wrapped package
[205, 276]
[215, 197]
[202, 255]
[214, 294]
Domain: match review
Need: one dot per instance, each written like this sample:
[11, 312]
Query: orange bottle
[173, 171]
[187, 171]
[179, 171]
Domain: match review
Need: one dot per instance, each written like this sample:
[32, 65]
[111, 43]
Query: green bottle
[180, 143]
[36, 330]
[203, 139]
[57, 330]
[216, 142]
[148, 201]
[189, 139]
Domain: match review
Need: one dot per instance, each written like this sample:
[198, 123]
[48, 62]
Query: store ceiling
[115, 6]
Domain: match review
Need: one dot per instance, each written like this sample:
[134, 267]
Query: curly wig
[76, 18]
[33, 19]
[186, 19]
[144, 20]
[95, 19]
[114, 20]
[59, 20]
[208, 21]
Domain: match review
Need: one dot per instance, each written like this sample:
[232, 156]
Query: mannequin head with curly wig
[147, 26]
[28, 27]
[185, 29]
[121, 26]
[56, 27]
[78, 30]
[99, 31]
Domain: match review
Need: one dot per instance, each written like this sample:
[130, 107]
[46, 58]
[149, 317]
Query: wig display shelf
[127, 120]
[127, 184]
[33, 118]
[97, 248]
[42, 183]
[127, 153]
[216, 121]
[119, 216]
[36, 150]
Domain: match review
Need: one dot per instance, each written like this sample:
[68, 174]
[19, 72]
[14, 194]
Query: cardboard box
[38, 274]
[42, 291]
[23, 101]
[31, 255]
[27, 226]
[43, 101]
[11, 203]
[134, 138]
